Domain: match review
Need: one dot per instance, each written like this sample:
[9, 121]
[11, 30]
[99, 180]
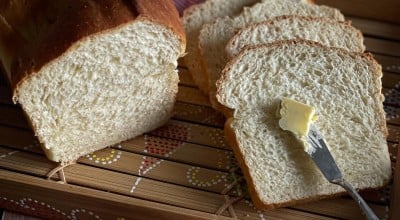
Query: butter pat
[296, 116]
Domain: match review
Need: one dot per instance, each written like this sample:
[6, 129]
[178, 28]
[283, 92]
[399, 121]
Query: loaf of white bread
[89, 74]
[345, 89]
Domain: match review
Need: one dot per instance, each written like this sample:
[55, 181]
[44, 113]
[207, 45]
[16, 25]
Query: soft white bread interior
[103, 90]
[344, 88]
[214, 36]
[113, 83]
[329, 32]
[193, 19]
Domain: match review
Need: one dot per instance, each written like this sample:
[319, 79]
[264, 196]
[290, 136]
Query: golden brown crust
[230, 137]
[188, 13]
[38, 31]
[227, 112]
[162, 12]
[345, 24]
[307, 18]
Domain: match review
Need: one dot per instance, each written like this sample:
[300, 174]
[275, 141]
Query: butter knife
[321, 156]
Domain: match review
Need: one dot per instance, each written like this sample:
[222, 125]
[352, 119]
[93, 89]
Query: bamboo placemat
[179, 171]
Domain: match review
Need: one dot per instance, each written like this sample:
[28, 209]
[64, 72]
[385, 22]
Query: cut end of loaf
[344, 88]
[106, 88]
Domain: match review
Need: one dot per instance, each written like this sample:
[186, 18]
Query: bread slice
[214, 37]
[193, 19]
[329, 32]
[90, 74]
[344, 88]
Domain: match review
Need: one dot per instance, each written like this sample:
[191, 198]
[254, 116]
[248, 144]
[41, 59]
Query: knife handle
[353, 193]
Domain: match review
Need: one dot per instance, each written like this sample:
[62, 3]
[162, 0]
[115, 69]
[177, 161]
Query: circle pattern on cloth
[217, 137]
[224, 161]
[259, 212]
[193, 176]
[82, 214]
[42, 209]
[392, 68]
[112, 157]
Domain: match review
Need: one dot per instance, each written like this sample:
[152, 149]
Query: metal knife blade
[319, 153]
[321, 156]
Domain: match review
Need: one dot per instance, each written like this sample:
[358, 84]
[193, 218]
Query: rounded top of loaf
[33, 33]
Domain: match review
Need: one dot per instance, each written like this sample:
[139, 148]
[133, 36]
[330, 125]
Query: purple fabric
[182, 4]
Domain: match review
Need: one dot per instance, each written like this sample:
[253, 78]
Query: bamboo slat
[334, 207]
[40, 194]
[380, 46]
[395, 195]
[13, 117]
[147, 189]
[389, 63]
[390, 80]
[119, 160]
[376, 28]
[185, 78]
[198, 114]
[384, 10]
[192, 95]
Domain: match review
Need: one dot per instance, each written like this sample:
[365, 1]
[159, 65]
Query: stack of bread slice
[193, 20]
[295, 49]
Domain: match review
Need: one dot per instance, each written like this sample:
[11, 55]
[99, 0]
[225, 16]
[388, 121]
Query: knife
[319, 153]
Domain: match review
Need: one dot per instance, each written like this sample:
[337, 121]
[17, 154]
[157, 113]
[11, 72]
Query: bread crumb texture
[344, 88]
[106, 88]
[328, 32]
[214, 37]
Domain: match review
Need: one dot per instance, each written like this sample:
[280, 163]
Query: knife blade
[320, 154]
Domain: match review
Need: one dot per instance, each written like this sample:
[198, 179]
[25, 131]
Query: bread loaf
[193, 20]
[214, 36]
[89, 74]
[345, 90]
